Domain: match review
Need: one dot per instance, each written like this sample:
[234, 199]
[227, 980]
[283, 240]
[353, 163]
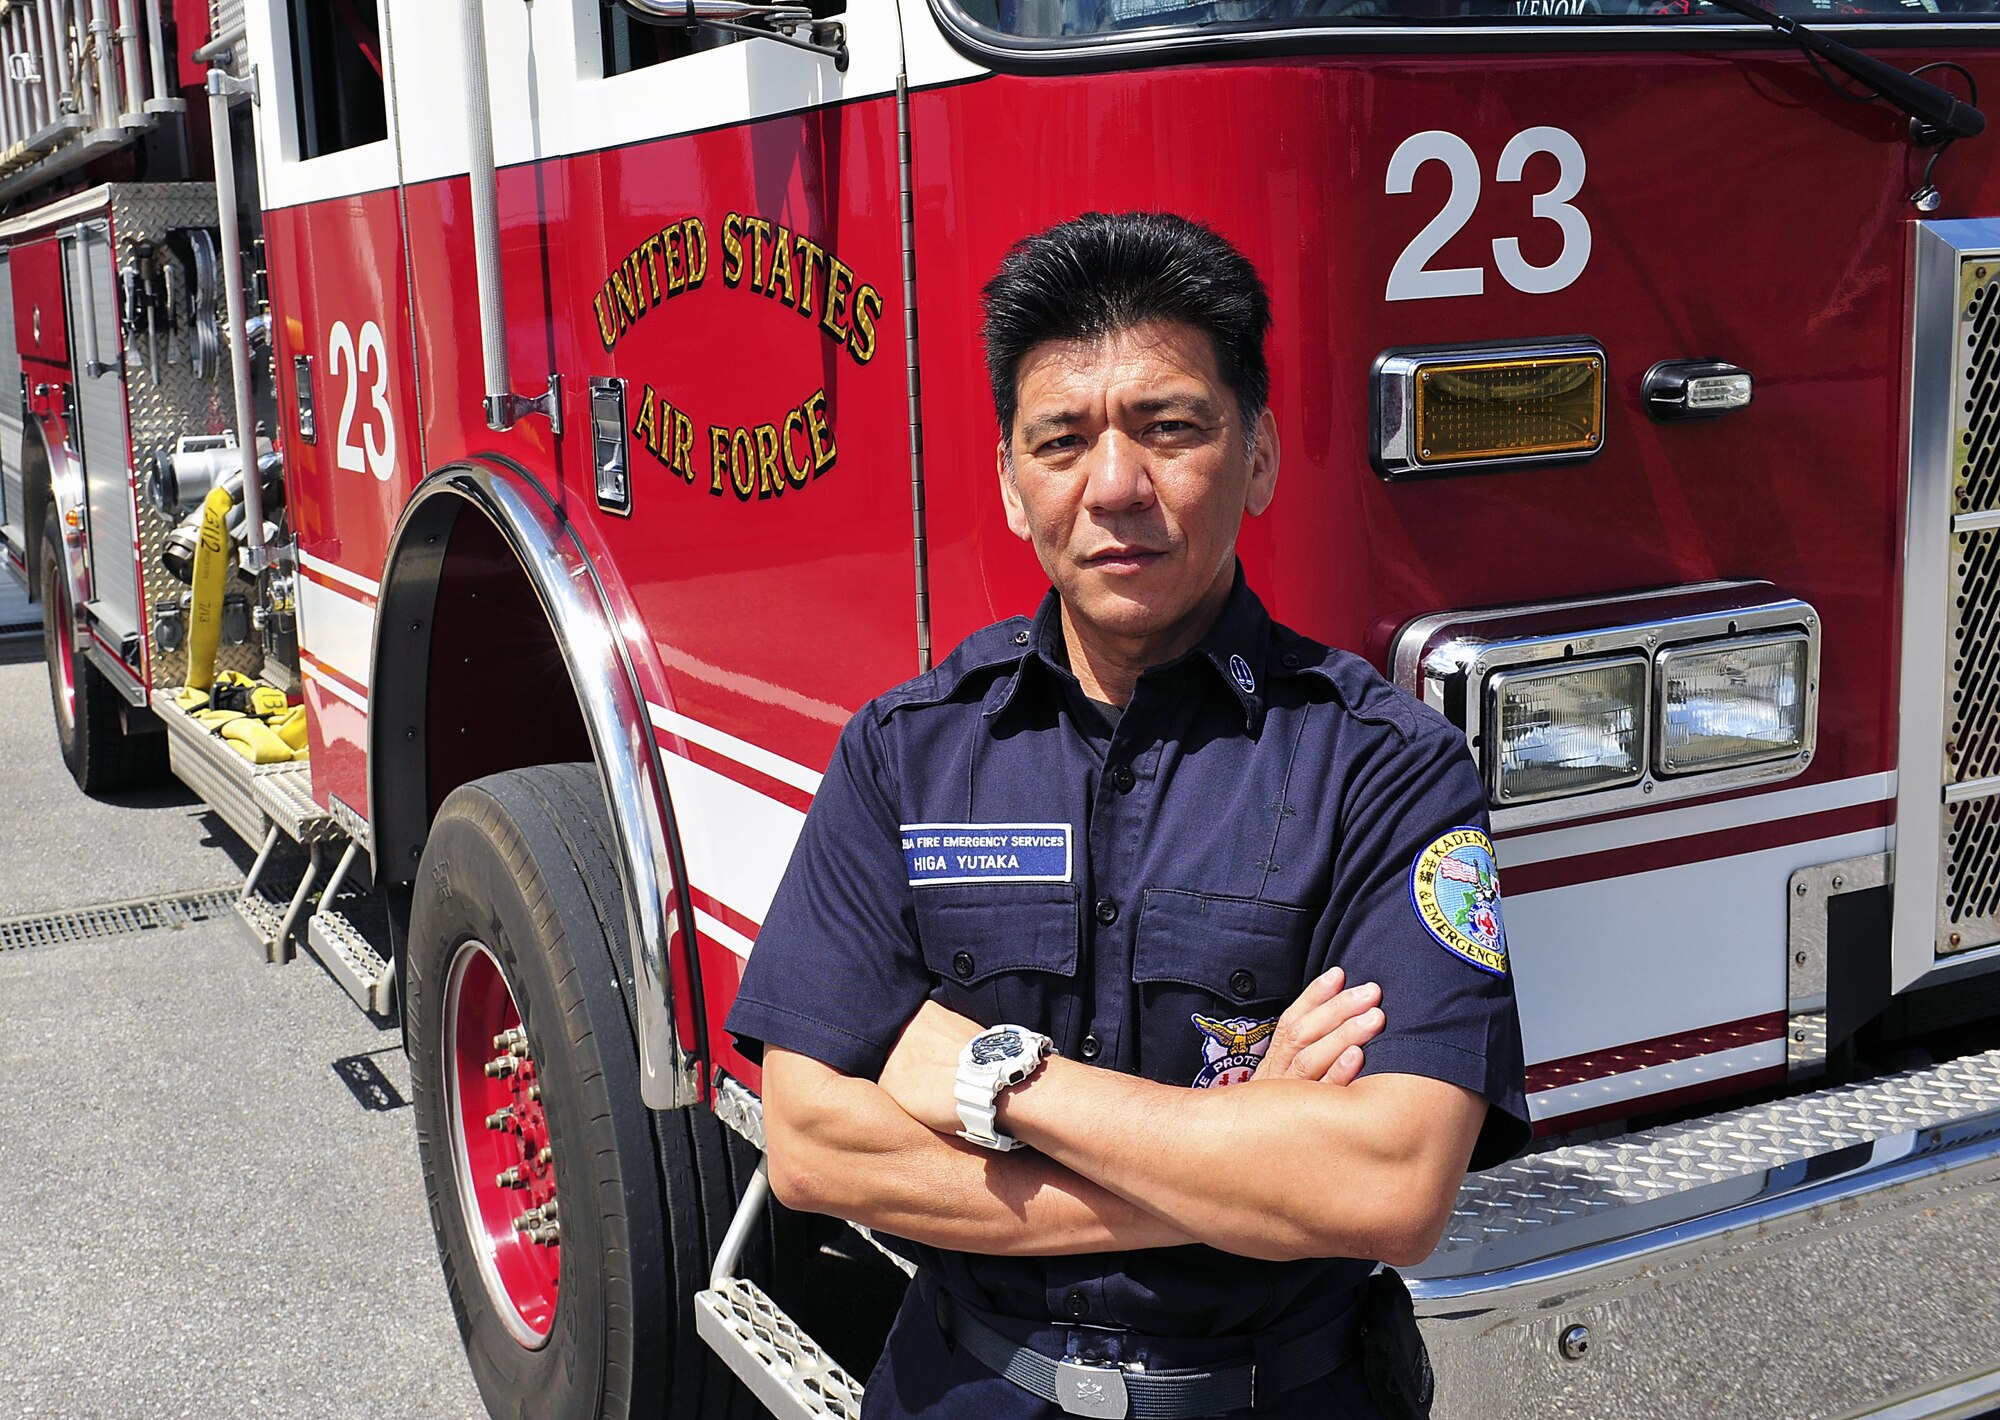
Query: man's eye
[1062, 443]
[1170, 427]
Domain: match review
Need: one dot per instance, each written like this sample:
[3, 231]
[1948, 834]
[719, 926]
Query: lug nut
[526, 1221]
[500, 1118]
[510, 1178]
[548, 1210]
[546, 1236]
[502, 1065]
[519, 1049]
[506, 1038]
[535, 1093]
[547, 1156]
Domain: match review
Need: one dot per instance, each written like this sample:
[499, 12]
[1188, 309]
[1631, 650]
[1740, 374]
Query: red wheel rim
[500, 1146]
[55, 605]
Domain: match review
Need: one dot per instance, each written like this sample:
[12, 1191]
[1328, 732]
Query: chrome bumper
[1833, 1254]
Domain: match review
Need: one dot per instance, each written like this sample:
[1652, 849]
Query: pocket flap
[971, 931]
[1235, 947]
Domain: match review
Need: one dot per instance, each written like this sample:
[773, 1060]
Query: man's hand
[1320, 1036]
[923, 1067]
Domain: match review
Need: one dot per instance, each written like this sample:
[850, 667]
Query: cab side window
[337, 50]
[626, 42]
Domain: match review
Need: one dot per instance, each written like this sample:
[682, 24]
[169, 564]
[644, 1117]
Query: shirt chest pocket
[1213, 973]
[1003, 954]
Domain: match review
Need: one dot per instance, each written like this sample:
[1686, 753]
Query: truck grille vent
[1979, 434]
[114, 919]
[1969, 895]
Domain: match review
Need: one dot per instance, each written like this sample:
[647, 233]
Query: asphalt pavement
[211, 1197]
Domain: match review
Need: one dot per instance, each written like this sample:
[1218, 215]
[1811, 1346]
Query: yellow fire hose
[267, 730]
[211, 573]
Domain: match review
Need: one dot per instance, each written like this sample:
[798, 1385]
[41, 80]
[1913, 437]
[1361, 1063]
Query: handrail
[221, 88]
[503, 407]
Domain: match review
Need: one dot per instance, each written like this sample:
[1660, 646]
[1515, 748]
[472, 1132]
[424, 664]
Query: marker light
[1695, 389]
[1447, 410]
[1732, 702]
[1566, 729]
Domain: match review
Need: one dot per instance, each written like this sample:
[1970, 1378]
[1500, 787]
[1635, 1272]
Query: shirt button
[1243, 983]
[1291, 660]
[1076, 1304]
[962, 963]
[1122, 779]
[1107, 911]
[1020, 638]
[1091, 1047]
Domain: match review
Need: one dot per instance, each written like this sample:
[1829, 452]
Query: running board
[772, 1355]
[352, 960]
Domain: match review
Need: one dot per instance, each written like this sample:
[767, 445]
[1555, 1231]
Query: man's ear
[1263, 466]
[1010, 496]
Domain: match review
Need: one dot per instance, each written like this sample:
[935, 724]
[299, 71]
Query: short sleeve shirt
[1150, 894]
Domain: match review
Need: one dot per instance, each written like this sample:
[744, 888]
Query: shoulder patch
[1455, 888]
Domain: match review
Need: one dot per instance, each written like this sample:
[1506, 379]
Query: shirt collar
[1234, 647]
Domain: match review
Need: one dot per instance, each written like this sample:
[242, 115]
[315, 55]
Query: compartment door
[102, 436]
[13, 515]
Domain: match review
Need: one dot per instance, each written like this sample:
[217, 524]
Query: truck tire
[90, 728]
[583, 1309]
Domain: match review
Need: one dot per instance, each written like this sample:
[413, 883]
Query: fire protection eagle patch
[1455, 888]
[1231, 1049]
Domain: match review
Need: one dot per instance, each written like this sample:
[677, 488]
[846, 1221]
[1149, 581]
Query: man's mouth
[1115, 558]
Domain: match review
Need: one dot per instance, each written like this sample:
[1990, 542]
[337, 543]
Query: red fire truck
[577, 408]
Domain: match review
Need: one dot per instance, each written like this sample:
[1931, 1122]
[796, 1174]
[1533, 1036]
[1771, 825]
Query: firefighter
[1057, 892]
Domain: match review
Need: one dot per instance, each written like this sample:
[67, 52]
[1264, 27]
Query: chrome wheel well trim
[572, 595]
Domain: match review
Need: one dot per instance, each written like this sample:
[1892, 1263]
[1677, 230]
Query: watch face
[996, 1046]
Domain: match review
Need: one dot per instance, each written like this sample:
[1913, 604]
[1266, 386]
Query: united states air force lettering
[760, 458]
[940, 853]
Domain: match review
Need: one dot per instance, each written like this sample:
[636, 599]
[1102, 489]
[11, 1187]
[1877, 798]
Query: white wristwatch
[990, 1062]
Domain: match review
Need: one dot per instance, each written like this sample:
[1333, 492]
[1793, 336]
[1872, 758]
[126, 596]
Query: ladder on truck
[77, 79]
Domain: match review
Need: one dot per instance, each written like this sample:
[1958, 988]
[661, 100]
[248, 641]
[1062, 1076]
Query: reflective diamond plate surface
[1563, 1185]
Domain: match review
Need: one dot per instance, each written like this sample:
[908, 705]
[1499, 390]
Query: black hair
[1100, 273]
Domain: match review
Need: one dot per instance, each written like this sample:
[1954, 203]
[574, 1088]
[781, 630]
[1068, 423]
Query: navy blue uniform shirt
[1151, 897]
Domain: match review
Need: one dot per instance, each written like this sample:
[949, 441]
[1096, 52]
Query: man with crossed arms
[1125, 833]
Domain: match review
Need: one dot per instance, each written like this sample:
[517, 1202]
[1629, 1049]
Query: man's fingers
[1345, 1067]
[1319, 990]
[1321, 1059]
[1328, 1016]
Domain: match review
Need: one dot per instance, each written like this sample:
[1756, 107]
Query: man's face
[1131, 476]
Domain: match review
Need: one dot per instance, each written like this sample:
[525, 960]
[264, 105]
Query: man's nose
[1120, 473]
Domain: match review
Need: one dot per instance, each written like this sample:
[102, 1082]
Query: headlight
[1739, 702]
[1576, 709]
[1566, 729]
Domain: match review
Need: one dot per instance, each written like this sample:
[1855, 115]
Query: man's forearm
[1272, 1169]
[840, 1145]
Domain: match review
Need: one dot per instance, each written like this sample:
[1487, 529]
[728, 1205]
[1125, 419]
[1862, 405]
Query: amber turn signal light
[1446, 410]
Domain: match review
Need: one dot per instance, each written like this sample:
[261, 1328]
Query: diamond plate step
[352, 959]
[264, 919]
[783, 1367]
[1545, 1204]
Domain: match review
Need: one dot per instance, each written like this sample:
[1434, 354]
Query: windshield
[1049, 19]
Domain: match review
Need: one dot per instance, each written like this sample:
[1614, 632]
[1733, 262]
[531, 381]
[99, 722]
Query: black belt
[1114, 1391]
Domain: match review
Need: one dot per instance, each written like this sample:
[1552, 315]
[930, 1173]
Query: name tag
[938, 853]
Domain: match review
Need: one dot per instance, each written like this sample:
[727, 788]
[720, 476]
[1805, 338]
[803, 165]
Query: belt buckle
[1089, 1388]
